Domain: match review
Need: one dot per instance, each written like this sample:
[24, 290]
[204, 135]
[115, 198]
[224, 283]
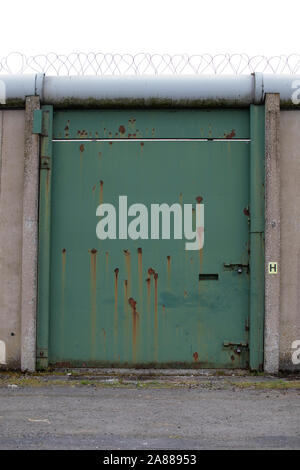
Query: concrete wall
[11, 221]
[290, 239]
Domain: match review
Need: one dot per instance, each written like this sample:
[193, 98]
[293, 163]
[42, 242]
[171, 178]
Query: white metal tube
[160, 91]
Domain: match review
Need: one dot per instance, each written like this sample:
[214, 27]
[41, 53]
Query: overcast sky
[162, 26]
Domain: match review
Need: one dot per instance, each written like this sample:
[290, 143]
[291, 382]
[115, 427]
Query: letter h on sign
[273, 268]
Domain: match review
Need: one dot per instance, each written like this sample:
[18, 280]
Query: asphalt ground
[158, 410]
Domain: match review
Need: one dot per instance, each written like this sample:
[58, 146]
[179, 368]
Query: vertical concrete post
[30, 239]
[272, 232]
[11, 227]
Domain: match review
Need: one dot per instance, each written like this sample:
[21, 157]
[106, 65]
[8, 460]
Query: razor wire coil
[103, 64]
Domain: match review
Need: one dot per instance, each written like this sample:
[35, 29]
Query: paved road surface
[87, 416]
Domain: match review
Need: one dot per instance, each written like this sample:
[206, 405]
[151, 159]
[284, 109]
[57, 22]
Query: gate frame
[44, 239]
[256, 237]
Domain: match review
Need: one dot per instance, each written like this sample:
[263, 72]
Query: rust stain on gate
[155, 317]
[63, 287]
[101, 193]
[116, 313]
[148, 281]
[128, 269]
[81, 148]
[93, 275]
[126, 330]
[140, 273]
[168, 271]
[135, 326]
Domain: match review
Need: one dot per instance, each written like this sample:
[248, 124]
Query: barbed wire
[147, 64]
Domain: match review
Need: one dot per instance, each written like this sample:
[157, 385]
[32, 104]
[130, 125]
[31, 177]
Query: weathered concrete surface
[272, 232]
[30, 239]
[11, 205]
[290, 237]
[176, 414]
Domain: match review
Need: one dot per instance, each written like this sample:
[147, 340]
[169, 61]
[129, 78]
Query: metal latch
[237, 346]
[239, 268]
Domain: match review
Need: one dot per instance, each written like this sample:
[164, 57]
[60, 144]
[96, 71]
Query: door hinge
[42, 353]
[45, 163]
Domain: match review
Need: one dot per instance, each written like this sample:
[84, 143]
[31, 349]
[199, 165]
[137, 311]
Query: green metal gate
[129, 301]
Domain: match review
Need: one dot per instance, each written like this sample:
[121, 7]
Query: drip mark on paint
[101, 193]
[93, 274]
[116, 271]
[135, 319]
[128, 268]
[140, 273]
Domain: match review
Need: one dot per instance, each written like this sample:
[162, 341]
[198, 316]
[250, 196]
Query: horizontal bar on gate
[151, 140]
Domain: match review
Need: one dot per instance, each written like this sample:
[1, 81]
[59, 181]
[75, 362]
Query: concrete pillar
[290, 241]
[11, 198]
[272, 233]
[30, 239]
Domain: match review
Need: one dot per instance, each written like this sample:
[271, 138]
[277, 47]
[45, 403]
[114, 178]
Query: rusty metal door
[144, 300]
